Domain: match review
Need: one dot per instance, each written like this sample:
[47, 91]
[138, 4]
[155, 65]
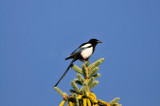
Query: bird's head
[94, 41]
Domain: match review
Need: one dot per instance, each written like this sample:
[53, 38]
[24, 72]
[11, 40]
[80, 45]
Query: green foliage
[115, 100]
[93, 72]
[96, 75]
[95, 64]
[81, 94]
[85, 72]
[77, 69]
[90, 81]
[76, 100]
[89, 75]
[59, 91]
[81, 79]
[74, 85]
[94, 83]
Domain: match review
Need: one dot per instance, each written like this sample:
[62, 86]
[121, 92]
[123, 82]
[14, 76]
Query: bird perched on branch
[82, 53]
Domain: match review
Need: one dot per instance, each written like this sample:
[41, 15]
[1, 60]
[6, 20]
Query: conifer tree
[86, 78]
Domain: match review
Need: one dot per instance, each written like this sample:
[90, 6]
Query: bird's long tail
[74, 59]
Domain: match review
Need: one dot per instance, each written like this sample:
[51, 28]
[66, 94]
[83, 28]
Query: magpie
[82, 53]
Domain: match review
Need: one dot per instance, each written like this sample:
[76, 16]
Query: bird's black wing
[78, 49]
[76, 52]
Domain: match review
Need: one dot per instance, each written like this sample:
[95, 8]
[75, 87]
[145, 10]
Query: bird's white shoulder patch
[86, 45]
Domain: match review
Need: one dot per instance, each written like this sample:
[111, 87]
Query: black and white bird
[82, 53]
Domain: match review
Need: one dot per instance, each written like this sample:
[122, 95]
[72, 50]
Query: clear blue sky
[37, 35]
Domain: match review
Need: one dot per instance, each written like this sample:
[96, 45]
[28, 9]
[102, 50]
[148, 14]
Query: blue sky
[37, 35]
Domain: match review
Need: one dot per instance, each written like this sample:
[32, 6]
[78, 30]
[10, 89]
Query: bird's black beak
[99, 41]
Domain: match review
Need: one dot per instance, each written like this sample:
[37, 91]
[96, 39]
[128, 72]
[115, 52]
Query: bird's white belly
[86, 53]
